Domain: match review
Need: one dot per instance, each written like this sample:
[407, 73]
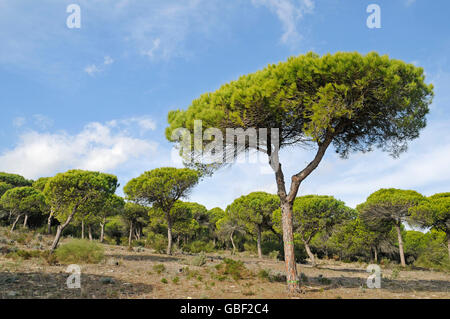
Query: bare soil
[131, 274]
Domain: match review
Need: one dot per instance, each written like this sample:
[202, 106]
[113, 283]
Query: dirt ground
[132, 274]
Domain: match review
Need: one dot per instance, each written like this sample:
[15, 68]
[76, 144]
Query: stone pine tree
[390, 207]
[314, 214]
[255, 212]
[21, 202]
[434, 213]
[161, 188]
[351, 101]
[69, 193]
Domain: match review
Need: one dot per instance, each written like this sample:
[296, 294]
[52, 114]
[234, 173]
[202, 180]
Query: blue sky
[97, 97]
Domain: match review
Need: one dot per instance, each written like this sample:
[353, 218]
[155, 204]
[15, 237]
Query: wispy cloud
[289, 12]
[93, 69]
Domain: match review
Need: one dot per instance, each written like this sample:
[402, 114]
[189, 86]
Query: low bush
[199, 246]
[80, 251]
[234, 268]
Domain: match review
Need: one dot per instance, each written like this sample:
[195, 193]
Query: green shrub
[156, 241]
[176, 280]
[164, 281]
[274, 254]
[199, 246]
[263, 274]
[199, 260]
[159, 268]
[235, 268]
[80, 251]
[435, 257]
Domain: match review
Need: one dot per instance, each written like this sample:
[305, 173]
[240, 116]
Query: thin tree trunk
[49, 221]
[258, 242]
[82, 229]
[448, 244]
[15, 222]
[375, 254]
[232, 243]
[25, 220]
[310, 254]
[90, 232]
[169, 235]
[62, 226]
[102, 230]
[131, 234]
[400, 245]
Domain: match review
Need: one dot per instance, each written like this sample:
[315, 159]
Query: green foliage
[14, 180]
[159, 268]
[314, 213]
[387, 207]
[360, 101]
[23, 200]
[79, 251]
[434, 212]
[199, 260]
[156, 241]
[234, 268]
[199, 246]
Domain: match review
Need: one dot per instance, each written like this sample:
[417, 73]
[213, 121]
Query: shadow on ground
[53, 286]
[145, 258]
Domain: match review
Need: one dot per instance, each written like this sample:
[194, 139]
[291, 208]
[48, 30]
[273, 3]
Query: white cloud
[98, 147]
[93, 69]
[19, 122]
[289, 12]
[41, 121]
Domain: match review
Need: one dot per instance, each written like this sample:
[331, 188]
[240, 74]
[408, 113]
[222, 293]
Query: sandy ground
[131, 274]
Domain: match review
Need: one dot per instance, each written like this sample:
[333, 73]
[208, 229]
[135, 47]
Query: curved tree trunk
[131, 234]
[15, 222]
[232, 243]
[90, 232]
[62, 226]
[258, 242]
[310, 254]
[25, 221]
[49, 222]
[400, 245]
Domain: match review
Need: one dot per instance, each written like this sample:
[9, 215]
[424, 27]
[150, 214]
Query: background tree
[434, 213]
[161, 188]
[387, 207]
[39, 184]
[68, 192]
[254, 211]
[22, 201]
[132, 213]
[215, 215]
[15, 180]
[228, 226]
[352, 101]
[313, 214]
[113, 206]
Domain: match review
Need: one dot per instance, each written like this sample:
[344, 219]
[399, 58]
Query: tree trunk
[258, 242]
[448, 244]
[131, 234]
[15, 222]
[82, 229]
[289, 253]
[375, 254]
[400, 245]
[232, 243]
[62, 226]
[49, 222]
[25, 220]
[90, 232]
[310, 254]
[102, 231]
[169, 235]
